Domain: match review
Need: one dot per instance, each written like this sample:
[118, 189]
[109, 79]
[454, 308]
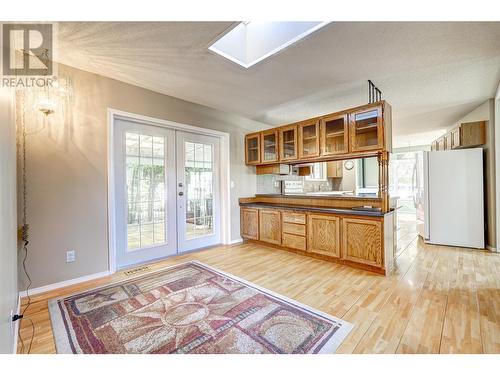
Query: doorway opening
[404, 175]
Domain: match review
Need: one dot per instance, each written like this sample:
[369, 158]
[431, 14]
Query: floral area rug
[190, 308]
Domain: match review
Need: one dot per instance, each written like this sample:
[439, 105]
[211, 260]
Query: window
[251, 42]
[367, 172]
[318, 172]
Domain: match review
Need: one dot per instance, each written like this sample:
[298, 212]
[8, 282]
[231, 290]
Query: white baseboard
[16, 326]
[238, 240]
[62, 284]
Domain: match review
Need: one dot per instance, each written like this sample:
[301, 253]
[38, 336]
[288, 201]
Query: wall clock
[349, 164]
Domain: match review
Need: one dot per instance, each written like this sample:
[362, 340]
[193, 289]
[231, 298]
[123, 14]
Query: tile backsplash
[271, 184]
[268, 184]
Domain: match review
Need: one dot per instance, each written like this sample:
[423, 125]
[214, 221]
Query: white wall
[8, 222]
[486, 112]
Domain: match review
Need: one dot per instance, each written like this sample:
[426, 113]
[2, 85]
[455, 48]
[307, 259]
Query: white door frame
[224, 175]
[496, 125]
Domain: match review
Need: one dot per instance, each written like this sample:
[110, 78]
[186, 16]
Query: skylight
[252, 41]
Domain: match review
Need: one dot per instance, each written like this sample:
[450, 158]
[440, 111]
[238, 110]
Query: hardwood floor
[438, 300]
[407, 230]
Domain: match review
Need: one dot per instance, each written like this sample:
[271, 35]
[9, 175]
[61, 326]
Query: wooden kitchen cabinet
[323, 235]
[294, 242]
[361, 131]
[293, 230]
[252, 149]
[440, 144]
[270, 226]
[294, 217]
[334, 135]
[469, 134]
[269, 146]
[366, 130]
[308, 139]
[466, 135]
[447, 141]
[249, 223]
[362, 241]
[455, 138]
[288, 142]
[334, 169]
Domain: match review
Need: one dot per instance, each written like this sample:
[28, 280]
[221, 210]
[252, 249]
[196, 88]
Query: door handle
[181, 193]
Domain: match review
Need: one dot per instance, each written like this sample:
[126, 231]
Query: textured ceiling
[431, 73]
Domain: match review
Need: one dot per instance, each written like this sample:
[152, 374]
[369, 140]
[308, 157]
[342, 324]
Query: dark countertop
[341, 211]
[321, 196]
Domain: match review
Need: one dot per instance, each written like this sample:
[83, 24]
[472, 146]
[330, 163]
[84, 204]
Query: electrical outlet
[70, 256]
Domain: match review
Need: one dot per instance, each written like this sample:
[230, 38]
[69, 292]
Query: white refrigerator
[449, 197]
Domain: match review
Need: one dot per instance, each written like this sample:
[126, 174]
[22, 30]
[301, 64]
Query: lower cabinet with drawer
[294, 230]
[359, 241]
[294, 217]
[293, 241]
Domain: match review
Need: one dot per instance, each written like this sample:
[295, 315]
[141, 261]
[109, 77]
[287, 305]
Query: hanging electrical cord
[25, 228]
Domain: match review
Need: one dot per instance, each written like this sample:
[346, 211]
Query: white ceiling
[431, 73]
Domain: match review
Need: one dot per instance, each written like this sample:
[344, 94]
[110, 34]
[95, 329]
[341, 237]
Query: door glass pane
[289, 143]
[366, 129]
[270, 152]
[145, 179]
[253, 149]
[309, 139]
[334, 136]
[199, 189]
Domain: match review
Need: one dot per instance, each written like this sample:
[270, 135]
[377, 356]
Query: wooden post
[383, 177]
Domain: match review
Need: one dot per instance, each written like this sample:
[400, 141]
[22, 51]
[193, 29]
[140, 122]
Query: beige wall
[8, 222]
[486, 112]
[67, 183]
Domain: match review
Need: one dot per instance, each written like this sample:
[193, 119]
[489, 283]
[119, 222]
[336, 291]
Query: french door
[166, 192]
[197, 191]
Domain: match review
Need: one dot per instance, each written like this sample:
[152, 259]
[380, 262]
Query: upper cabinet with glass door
[342, 135]
[366, 129]
[308, 139]
[269, 146]
[288, 142]
[252, 148]
[334, 135]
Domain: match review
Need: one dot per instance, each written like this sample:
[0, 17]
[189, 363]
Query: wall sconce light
[46, 106]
